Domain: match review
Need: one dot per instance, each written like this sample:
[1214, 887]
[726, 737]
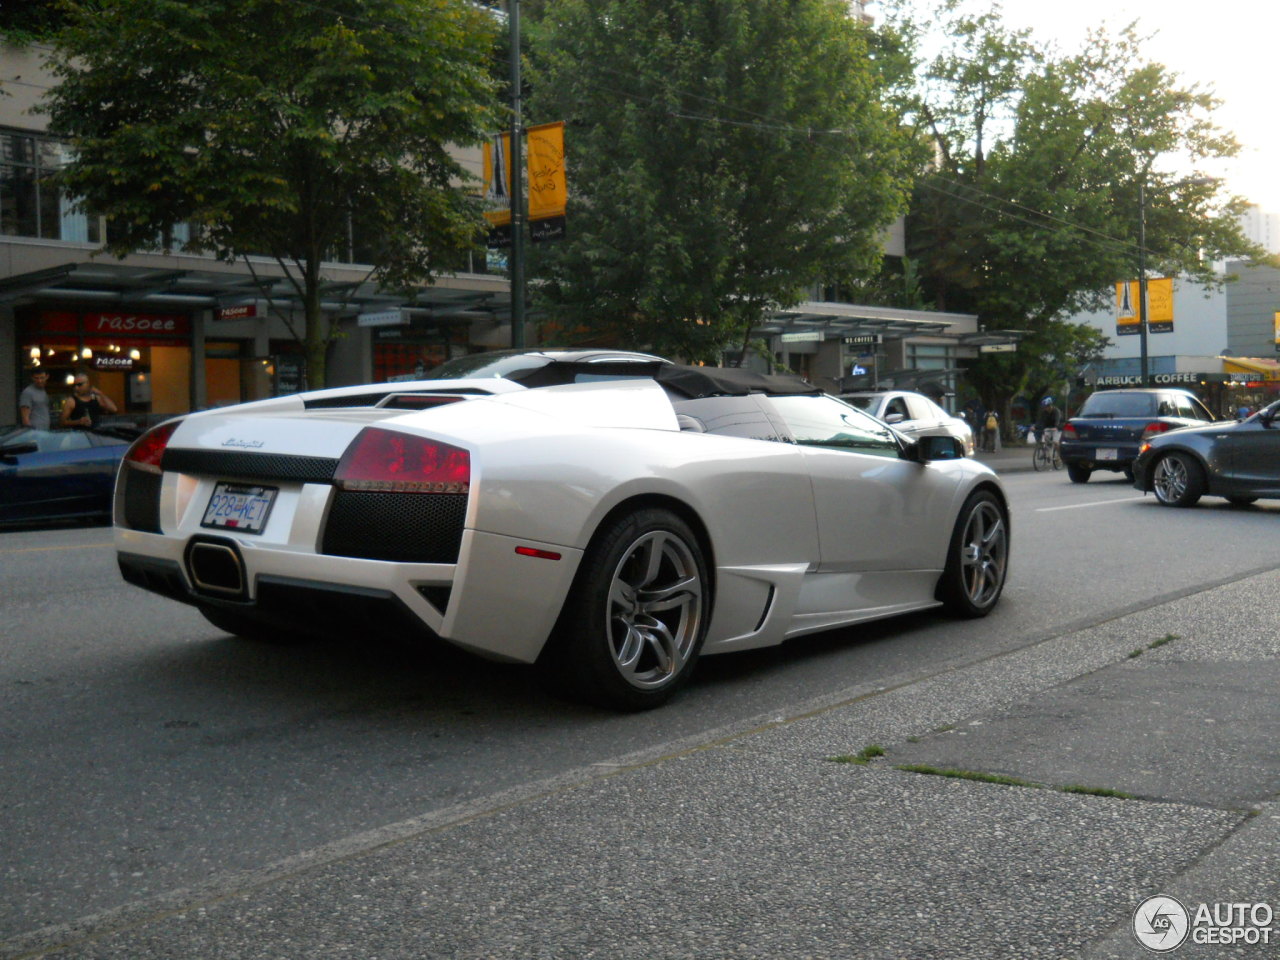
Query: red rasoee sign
[123, 324]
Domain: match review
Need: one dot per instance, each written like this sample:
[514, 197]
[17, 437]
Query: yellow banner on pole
[548, 190]
[1159, 306]
[497, 180]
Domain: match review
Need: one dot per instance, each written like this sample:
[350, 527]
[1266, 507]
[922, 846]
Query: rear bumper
[493, 602]
[1092, 456]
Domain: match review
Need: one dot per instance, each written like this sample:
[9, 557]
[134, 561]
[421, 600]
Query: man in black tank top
[86, 405]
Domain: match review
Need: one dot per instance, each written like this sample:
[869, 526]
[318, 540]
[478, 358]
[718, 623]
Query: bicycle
[1047, 455]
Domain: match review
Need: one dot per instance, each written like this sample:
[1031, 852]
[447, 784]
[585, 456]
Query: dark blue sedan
[58, 474]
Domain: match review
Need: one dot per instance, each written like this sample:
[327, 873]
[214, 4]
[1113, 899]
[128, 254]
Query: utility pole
[1142, 278]
[517, 183]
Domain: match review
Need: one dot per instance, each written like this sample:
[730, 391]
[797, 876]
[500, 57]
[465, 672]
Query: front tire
[977, 558]
[1178, 480]
[634, 622]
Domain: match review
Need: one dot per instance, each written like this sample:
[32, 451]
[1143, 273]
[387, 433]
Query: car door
[875, 510]
[926, 416]
[67, 475]
[1250, 453]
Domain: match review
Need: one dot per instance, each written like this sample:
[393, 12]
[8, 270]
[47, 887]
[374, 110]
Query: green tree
[280, 128]
[28, 20]
[723, 154]
[1031, 211]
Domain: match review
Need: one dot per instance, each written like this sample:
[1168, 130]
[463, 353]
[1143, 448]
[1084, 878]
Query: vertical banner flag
[547, 189]
[1159, 306]
[497, 192]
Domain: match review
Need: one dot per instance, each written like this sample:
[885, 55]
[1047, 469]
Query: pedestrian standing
[87, 404]
[990, 429]
[33, 402]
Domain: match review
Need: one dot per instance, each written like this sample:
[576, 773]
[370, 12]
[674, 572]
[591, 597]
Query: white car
[913, 414]
[609, 531]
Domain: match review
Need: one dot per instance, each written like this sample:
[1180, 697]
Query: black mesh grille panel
[250, 466]
[141, 499]
[352, 400]
[404, 527]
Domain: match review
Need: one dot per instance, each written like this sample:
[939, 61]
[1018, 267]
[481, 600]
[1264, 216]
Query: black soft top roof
[697, 382]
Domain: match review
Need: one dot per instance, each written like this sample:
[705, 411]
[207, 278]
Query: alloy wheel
[654, 609]
[1170, 480]
[984, 553]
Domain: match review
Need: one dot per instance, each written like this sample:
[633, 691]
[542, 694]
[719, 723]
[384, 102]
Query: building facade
[1222, 343]
[165, 333]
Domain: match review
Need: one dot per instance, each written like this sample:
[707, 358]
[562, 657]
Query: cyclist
[1049, 422]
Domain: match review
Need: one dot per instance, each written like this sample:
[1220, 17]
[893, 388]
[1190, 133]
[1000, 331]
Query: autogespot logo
[1161, 923]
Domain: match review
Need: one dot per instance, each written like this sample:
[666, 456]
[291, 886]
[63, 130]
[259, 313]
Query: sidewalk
[767, 841]
[1014, 458]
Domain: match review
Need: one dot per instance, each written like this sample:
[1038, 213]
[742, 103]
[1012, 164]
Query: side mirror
[931, 448]
[12, 453]
[894, 418]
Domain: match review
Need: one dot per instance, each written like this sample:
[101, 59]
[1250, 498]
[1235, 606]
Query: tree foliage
[25, 21]
[1031, 211]
[278, 128]
[723, 154]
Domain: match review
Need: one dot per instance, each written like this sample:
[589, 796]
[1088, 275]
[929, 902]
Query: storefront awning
[140, 287]
[1264, 367]
[834, 320]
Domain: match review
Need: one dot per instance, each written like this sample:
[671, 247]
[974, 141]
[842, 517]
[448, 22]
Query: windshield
[1119, 405]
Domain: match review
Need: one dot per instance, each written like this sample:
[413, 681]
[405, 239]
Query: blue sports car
[59, 474]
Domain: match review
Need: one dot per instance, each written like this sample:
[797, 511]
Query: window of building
[30, 205]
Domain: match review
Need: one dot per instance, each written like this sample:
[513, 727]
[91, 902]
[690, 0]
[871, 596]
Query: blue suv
[1112, 424]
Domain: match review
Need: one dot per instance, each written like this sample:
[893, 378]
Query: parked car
[1237, 460]
[913, 414]
[59, 474]
[608, 531]
[1112, 424]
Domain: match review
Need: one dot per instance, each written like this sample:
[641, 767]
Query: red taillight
[148, 449]
[1155, 427]
[384, 461]
[1069, 433]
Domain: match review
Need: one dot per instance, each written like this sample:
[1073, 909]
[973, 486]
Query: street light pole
[1142, 279]
[517, 183]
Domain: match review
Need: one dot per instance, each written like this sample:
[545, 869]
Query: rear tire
[1078, 474]
[634, 623]
[1178, 480]
[977, 558]
[1241, 501]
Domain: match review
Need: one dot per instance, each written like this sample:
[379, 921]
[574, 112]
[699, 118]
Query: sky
[1230, 48]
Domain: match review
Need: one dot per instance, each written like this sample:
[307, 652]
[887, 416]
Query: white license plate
[238, 507]
[1106, 453]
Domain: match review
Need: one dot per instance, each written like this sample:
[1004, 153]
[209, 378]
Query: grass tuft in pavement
[1002, 780]
[862, 757]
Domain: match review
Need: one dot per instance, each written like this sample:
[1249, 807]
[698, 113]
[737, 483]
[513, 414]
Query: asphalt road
[144, 751]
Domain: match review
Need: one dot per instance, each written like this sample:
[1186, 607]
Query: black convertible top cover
[697, 382]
